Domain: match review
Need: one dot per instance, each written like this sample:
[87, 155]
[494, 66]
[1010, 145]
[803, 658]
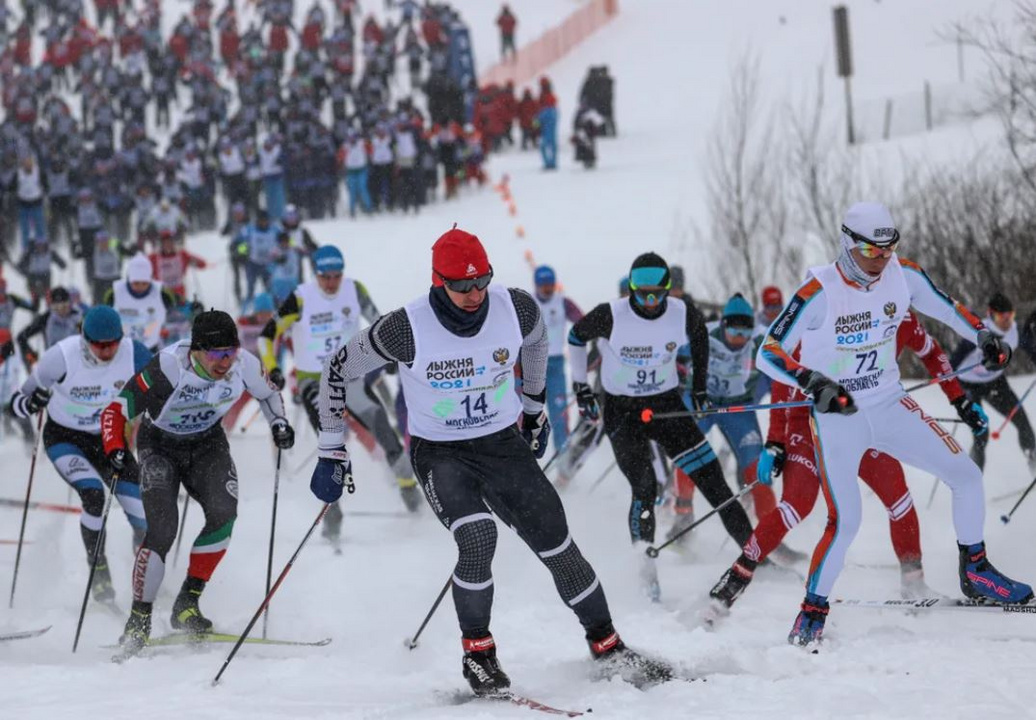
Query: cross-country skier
[638, 338]
[322, 315]
[74, 381]
[141, 302]
[557, 311]
[60, 320]
[991, 385]
[457, 348]
[846, 315]
[790, 452]
[184, 392]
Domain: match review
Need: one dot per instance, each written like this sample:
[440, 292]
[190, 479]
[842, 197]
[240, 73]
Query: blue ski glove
[536, 431]
[771, 463]
[334, 471]
[972, 414]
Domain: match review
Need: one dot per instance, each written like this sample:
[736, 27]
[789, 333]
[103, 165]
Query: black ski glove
[283, 434]
[587, 401]
[995, 352]
[829, 396]
[536, 431]
[972, 414]
[277, 378]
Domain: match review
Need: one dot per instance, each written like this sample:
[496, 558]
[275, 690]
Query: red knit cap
[458, 255]
[772, 296]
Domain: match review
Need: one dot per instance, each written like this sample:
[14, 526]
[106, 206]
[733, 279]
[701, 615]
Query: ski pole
[25, 507]
[647, 414]
[98, 544]
[411, 643]
[605, 474]
[183, 524]
[1007, 518]
[941, 378]
[249, 421]
[652, 552]
[996, 433]
[269, 595]
[273, 531]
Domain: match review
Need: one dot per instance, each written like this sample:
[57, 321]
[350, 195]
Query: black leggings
[465, 482]
[683, 442]
[1003, 399]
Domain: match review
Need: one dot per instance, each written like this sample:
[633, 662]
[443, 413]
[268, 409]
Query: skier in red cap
[457, 348]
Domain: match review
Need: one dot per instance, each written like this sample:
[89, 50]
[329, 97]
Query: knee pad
[475, 536]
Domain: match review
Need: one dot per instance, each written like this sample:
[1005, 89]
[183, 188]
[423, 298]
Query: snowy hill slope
[670, 60]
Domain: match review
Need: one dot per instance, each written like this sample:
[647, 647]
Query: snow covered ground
[670, 59]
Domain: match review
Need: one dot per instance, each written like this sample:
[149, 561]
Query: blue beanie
[102, 324]
[738, 307]
[263, 303]
[328, 259]
[544, 275]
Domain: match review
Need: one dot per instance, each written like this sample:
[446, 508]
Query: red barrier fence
[535, 57]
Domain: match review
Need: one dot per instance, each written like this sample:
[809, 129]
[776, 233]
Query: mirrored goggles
[870, 249]
[739, 331]
[220, 354]
[650, 297]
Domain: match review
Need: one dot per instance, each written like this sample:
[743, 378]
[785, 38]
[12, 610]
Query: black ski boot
[137, 631]
[481, 668]
[186, 614]
[102, 589]
[614, 658]
[729, 588]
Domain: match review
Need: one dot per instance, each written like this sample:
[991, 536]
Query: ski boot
[411, 493]
[809, 625]
[648, 573]
[102, 589]
[614, 658]
[186, 614]
[979, 580]
[729, 588]
[137, 631]
[912, 584]
[481, 668]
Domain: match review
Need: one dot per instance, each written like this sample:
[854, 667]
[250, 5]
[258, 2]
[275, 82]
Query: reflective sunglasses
[739, 331]
[221, 354]
[870, 249]
[467, 284]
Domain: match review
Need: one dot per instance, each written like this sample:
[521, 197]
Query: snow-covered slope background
[671, 61]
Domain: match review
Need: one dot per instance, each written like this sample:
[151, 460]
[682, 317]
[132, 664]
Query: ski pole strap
[652, 552]
[647, 414]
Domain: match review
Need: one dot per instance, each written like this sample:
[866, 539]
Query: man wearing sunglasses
[847, 315]
[322, 315]
[991, 385]
[733, 342]
[61, 319]
[74, 381]
[183, 392]
[457, 348]
[638, 338]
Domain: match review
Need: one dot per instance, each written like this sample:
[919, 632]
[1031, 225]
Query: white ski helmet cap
[870, 222]
[138, 269]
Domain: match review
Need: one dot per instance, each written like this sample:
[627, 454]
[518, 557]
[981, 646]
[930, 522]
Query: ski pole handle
[652, 552]
[647, 414]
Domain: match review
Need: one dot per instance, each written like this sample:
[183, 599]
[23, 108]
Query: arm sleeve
[595, 324]
[389, 339]
[48, 371]
[805, 311]
[929, 300]
[260, 387]
[778, 430]
[931, 354]
[698, 336]
[287, 315]
[367, 307]
[535, 348]
[148, 390]
[31, 330]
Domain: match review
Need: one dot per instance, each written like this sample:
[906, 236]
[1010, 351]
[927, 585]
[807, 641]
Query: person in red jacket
[229, 39]
[169, 265]
[23, 45]
[528, 108]
[431, 30]
[789, 448]
[507, 23]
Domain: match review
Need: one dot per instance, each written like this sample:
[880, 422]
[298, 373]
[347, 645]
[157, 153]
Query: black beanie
[1000, 303]
[214, 329]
